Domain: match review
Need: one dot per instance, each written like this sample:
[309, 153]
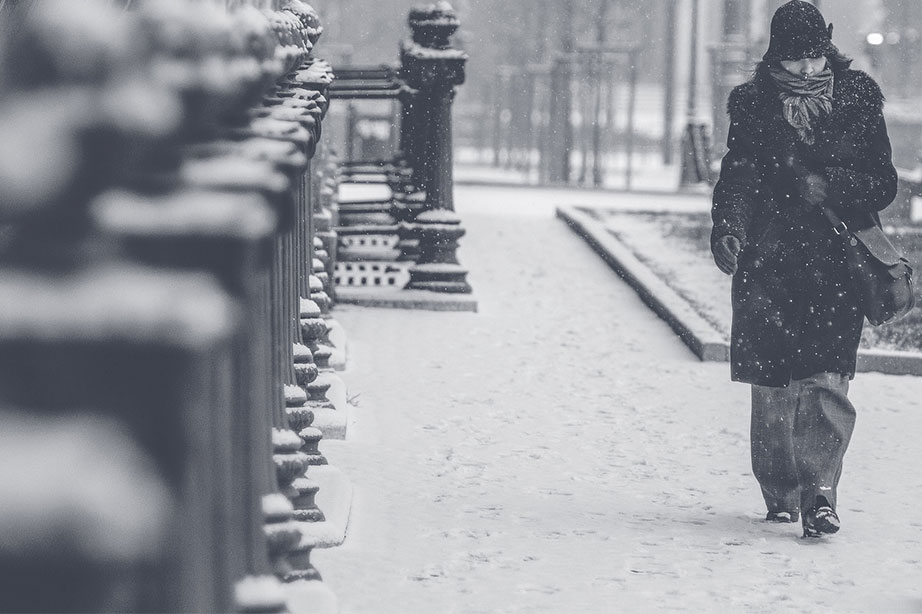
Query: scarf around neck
[804, 99]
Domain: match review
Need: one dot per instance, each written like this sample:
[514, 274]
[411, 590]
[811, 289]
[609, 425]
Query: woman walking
[806, 132]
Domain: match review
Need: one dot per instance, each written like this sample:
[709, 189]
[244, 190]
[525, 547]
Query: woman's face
[806, 67]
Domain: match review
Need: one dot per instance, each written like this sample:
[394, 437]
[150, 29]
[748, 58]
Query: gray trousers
[799, 435]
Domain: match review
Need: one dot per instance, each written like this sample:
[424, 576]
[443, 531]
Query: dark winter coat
[794, 311]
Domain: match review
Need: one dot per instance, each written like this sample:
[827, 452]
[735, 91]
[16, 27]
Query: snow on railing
[404, 235]
[160, 207]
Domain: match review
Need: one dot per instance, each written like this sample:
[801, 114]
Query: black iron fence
[164, 303]
[398, 231]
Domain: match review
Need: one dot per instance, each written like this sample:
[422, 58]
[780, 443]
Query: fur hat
[799, 31]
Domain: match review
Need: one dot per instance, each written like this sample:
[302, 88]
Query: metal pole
[351, 117]
[597, 76]
[561, 102]
[497, 90]
[669, 89]
[511, 104]
[597, 174]
[531, 129]
[692, 113]
[584, 68]
[611, 97]
[629, 147]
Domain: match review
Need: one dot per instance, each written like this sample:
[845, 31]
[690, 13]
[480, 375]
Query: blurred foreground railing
[164, 306]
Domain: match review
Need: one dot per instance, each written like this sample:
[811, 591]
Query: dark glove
[810, 185]
[726, 250]
[812, 188]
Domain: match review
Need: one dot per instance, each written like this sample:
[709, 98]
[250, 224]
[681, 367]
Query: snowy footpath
[561, 451]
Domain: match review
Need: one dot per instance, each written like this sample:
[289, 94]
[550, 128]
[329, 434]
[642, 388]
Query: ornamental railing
[398, 229]
[164, 305]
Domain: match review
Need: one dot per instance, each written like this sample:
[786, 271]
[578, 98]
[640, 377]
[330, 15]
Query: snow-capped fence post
[265, 156]
[301, 100]
[178, 211]
[226, 235]
[370, 239]
[433, 69]
[121, 372]
[323, 186]
[262, 133]
[315, 320]
[140, 354]
[138, 357]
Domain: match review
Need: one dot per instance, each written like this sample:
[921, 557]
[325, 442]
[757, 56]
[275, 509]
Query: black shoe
[820, 520]
[782, 516]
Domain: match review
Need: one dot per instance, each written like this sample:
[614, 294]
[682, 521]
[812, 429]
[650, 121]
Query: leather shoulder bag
[882, 276]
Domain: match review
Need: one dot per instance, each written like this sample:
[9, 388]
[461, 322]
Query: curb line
[311, 596]
[700, 337]
[334, 499]
[695, 332]
[890, 362]
[406, 299]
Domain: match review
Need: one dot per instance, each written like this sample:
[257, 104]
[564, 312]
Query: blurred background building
[505, 117]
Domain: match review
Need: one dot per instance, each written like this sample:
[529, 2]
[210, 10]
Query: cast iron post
[433, 69]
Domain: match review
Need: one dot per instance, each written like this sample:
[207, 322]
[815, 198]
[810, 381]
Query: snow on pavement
[562, 451]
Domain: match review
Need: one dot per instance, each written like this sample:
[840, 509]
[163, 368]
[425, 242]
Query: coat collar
[856, 96]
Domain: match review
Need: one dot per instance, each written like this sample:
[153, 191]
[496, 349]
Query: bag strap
[838, 226]
[873, 239]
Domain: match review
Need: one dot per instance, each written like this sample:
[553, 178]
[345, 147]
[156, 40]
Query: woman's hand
[810, 185]
[726, 251]
[812, 188]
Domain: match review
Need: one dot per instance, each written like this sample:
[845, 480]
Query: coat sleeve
[737, 188]
[869, 184]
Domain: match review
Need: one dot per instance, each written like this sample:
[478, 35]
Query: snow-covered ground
[562, 451]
